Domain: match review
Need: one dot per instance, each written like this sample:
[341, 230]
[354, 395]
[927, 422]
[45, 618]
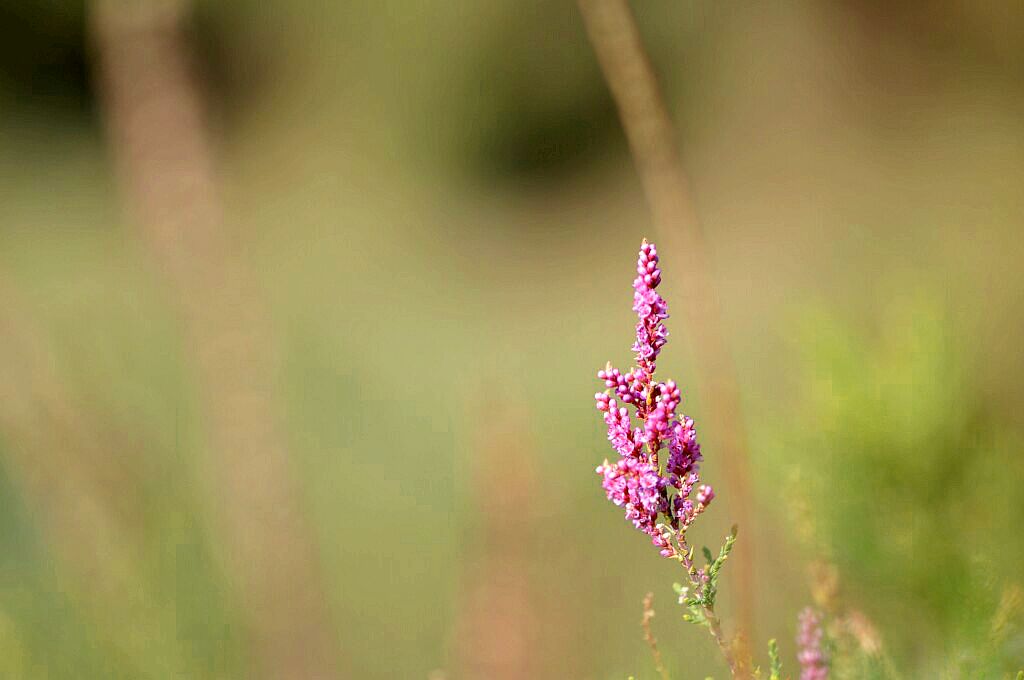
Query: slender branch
[155, 115]
[498, 629]
[715, 626]
[66, 464]
[652, 642]
[616, 40]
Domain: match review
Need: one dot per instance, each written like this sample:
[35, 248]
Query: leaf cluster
[699, 597]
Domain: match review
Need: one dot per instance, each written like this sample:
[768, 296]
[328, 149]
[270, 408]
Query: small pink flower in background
[814, 662]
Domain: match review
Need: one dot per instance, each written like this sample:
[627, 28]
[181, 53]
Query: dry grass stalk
[54, 452]
[73, 478]
[652, 642]
[156, 125]
[497, 630]
[616, 40]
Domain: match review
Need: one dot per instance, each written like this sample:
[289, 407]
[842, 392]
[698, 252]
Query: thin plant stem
[65, 464]
[715, 626]
[155, 116]
[613, 33]
[497, 632]
[652, 642]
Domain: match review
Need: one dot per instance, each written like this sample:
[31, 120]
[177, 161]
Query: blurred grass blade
[156, 125]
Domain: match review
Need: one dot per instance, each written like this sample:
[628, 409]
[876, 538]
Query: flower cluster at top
[661, 497]
[811, 655]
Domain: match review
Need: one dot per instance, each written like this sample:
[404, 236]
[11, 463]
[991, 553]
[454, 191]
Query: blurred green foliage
[471, 150]
[904, 464]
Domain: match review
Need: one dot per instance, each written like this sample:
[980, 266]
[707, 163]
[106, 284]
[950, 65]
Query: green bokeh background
[440, 206]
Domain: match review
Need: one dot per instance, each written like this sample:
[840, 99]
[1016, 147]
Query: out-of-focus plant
[656, 493]
[904, 457]
[663, 496]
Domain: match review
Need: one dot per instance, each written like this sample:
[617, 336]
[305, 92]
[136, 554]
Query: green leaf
[695, 615]
[776, 663]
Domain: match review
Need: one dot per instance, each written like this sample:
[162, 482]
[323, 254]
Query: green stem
[715, 626]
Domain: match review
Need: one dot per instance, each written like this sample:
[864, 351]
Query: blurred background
[301, 305]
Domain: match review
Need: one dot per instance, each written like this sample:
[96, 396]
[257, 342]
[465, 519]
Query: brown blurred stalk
[155, 120]
[77, 481]
[652, 642]
[616, 39]
[497, 632]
